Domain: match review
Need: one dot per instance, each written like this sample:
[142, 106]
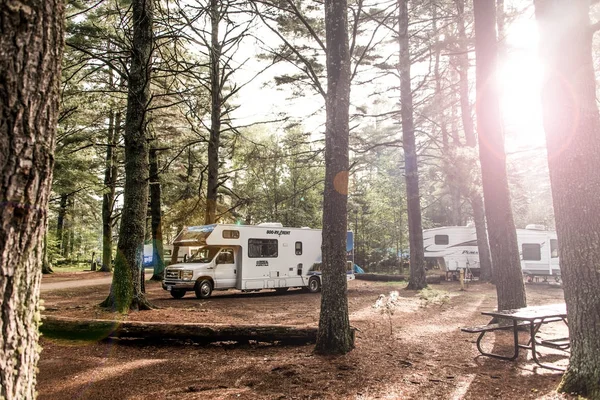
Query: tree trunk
[60, 221]
[335, 335]
[46, 266]
[108, 197]
[215, 116]
[126, 289]
[501, 227]
[483, 246]
[411, 171]
[485, 261]
[463, 76]
[572, 126]
[31, 43]
[157, 239]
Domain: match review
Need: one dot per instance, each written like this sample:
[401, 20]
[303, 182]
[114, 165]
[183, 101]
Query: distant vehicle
[452, 248]
[248, 258]
[183, 254]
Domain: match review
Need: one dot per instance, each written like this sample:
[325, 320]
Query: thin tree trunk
[413, 198]
[463, 76]
[215, 116]
[31, 43]
[335, 335]
[108, 197]
[155, 201]
[126, 289]
[501, 227]
[572, 126]
[46, 266]
[60, 221]
[483, 246]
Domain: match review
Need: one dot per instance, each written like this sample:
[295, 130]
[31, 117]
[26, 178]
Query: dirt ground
[418, 352]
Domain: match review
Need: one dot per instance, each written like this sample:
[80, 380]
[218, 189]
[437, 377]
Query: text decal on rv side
[272, 232]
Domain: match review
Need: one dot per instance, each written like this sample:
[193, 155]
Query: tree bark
[155, 201]
[335, 335]
[572, 125]
[126, 289]
[501, 227]
[215, 116]
[31, 45]
[413, 198]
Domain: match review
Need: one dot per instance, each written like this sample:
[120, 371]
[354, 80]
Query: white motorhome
[248, 258]
[452, 248]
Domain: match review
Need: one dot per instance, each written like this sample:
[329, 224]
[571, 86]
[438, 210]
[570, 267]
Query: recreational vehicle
[452, 248]
[248, 258]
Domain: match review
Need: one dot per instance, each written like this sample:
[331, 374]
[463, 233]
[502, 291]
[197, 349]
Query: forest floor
[418, 352]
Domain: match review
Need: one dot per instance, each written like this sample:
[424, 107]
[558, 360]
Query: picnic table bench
[530, 317]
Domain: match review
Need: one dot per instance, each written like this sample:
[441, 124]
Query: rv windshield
[203, 255]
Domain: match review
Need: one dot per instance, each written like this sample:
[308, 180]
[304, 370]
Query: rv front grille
[173, 274]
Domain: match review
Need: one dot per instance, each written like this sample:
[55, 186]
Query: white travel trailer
[248, 258]
[452, 248]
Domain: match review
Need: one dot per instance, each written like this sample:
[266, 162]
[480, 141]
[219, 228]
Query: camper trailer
[248, 258]
[452, 248]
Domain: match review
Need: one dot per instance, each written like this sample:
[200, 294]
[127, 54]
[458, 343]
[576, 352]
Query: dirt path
[76, 281]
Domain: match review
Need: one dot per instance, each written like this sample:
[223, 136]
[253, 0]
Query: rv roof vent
[536, 227]
[271, 224]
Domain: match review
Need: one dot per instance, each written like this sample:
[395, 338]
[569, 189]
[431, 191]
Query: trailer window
[442, 239]
[531, 252]
[553, 248]
[298, 248]
[262, 248]
[231, 234]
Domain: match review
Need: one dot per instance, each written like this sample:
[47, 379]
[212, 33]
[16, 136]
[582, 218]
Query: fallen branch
[63, 327]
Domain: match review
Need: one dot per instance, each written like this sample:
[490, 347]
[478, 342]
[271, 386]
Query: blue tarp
[358, 270]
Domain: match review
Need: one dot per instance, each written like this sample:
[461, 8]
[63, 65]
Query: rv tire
[203, 289]
[177, 293]
[314, 284]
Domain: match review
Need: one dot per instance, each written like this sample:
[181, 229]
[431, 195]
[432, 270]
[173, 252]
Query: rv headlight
[187, 275]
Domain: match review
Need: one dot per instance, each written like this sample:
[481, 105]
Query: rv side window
[442, 239]
[231, 234]
[262, 248]
[298, 248]
[531, 252]
[553, 248]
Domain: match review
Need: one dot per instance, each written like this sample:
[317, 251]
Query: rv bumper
[185, 285]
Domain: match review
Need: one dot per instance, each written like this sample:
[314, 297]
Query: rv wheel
[203, 289]
[314, 284]
[177, 293]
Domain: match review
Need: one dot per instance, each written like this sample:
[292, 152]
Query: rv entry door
[225, 271]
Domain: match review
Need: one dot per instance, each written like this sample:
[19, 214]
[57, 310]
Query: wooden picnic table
[533, 318]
